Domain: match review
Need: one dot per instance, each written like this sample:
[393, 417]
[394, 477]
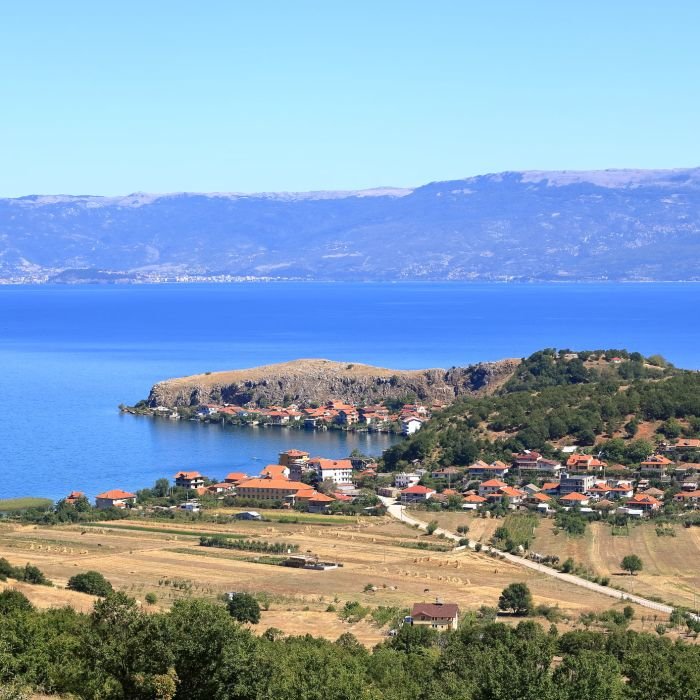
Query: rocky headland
[317, 381]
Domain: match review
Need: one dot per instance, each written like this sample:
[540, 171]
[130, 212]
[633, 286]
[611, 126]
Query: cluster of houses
[410, 417]
[584, 482]
[280, 482]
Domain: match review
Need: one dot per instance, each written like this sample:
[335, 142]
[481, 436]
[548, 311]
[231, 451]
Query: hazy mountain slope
[531, 225]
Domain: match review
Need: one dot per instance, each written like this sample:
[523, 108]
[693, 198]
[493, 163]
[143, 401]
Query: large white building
[337, 470]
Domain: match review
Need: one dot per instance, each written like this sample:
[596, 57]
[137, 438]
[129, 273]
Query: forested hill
[596, 225]
[615, 401]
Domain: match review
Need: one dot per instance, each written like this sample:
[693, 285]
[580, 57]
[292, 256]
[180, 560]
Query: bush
[151, 598]
[244, 608]
[32, 574]
[431, 527]
[92, 582]
[12, 600]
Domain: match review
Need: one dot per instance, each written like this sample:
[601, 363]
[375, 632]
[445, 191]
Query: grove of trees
[198, 651]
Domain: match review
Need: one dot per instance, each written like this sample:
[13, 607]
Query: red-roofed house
[486, 488]
[514, 496]
[473, 502]
[319, 503]
[338, 471]
[275, 471]
[575, 498]
[441, 616]
[656, 465]
[586, 463]
[416, 494]
[688, 498]
[73, 497]
[271, 489]
[644, 502]
[235, 477]
[116, 498]
[223, 487]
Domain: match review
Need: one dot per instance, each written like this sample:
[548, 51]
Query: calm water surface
[70, 355]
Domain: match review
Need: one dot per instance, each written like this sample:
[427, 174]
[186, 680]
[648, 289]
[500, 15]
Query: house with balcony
[189, 480]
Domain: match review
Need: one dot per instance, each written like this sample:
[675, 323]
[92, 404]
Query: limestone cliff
[318, 381]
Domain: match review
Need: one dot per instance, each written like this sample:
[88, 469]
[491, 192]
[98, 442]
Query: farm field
[671, 564]
[157, 558]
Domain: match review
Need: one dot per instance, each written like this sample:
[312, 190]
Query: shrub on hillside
[92, 582]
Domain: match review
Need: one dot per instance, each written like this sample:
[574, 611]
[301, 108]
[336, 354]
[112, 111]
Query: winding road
[398, 511]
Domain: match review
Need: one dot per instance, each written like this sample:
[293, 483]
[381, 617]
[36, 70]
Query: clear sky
[115, 97]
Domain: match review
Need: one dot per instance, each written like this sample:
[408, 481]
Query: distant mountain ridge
[529, 225]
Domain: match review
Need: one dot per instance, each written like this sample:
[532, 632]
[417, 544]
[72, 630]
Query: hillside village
[584, 483]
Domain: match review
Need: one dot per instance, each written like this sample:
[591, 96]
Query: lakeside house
[235, 477]
[339, 471]
[189, 480]
[275, 471]
[73, 497]
[116, 498]
[270, 489]
[411, 425]
[438, 615]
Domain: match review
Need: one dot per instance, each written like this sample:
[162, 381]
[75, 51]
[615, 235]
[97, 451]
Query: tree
[92, 582]
[12, 600]
[517, 598]
[631, 563]
[244, 608]
[431, 527]
[592, 675]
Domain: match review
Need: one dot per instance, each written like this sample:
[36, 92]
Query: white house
[339, 471]
[411, 425]
[404, 480]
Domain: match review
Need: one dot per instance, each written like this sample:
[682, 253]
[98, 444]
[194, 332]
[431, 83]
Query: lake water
[70, 355]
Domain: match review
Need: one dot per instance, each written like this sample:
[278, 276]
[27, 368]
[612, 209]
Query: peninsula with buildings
[322, 394]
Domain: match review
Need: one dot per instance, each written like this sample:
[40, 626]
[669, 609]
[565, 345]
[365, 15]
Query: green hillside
[613, 401]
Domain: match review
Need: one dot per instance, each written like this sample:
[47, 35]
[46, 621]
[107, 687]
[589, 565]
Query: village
[389, 417]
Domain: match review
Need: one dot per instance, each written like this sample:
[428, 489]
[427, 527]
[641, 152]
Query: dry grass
[671, 564]
[139, 562]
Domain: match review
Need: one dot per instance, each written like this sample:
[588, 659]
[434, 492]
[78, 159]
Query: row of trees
[199, 652]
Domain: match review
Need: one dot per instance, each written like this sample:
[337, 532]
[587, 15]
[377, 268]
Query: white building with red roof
[116, 498]
[417, 494]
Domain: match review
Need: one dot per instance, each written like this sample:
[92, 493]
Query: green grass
[163, 530]
[521, 527]
[15, 505]
[306, 519]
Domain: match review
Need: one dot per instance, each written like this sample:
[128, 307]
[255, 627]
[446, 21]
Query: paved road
[399, 512]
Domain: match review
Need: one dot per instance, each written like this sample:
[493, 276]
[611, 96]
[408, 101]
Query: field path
[399, 512]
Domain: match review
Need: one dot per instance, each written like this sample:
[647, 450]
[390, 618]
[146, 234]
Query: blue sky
[115, 97]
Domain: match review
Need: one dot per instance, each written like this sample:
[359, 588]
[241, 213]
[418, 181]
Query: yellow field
[671, 564]
[173, 566]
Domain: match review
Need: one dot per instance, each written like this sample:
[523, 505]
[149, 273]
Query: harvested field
[150, 559]
[671, 564]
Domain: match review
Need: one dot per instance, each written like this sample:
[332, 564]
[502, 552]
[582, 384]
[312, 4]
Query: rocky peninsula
[316, 381]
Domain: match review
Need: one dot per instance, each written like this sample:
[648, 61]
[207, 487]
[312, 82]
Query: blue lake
[70, 355]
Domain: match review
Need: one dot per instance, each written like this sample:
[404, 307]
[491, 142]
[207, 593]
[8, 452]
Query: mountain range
[529, 225]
